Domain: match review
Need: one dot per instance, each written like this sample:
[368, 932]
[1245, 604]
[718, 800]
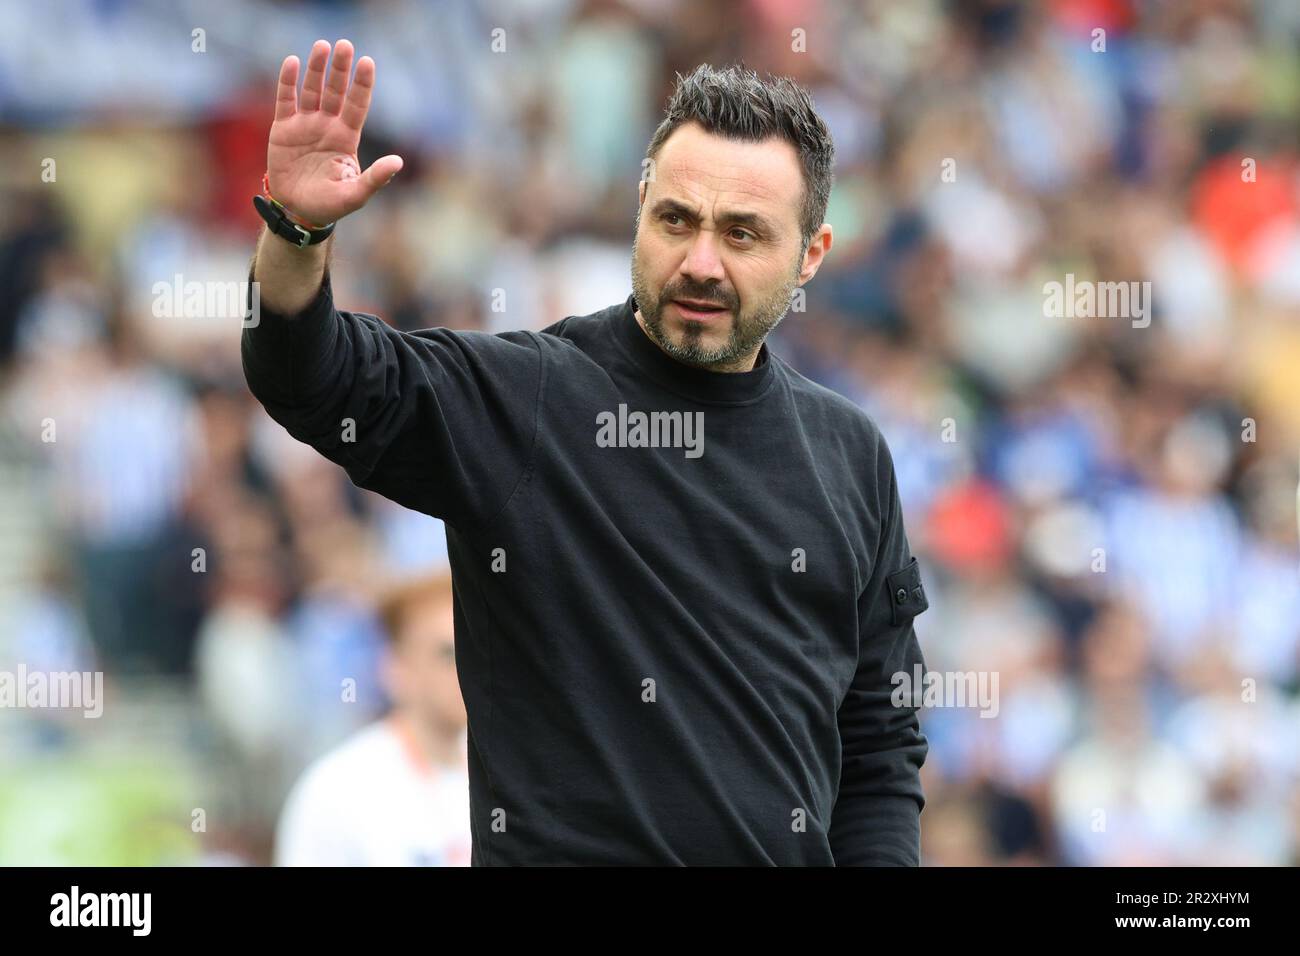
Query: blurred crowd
[1105, 511]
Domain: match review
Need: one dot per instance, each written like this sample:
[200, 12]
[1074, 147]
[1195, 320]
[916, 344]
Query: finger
[315, 79]
[336, 83]
[286, 93]
[380, 172]
[357, 104]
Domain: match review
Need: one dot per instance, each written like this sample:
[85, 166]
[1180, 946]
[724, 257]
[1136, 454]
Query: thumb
[380, 172]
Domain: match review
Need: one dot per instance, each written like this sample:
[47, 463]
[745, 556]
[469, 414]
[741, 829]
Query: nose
[702, 264]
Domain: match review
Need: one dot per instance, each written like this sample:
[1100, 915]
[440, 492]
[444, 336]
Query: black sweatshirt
[680, 595]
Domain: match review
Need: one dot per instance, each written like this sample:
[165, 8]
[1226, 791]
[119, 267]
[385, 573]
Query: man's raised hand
[311, 156]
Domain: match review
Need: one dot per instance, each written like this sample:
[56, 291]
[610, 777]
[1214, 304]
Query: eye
[670, 215]
[741, 235]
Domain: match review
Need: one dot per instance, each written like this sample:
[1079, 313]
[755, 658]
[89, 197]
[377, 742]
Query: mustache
[711, 298]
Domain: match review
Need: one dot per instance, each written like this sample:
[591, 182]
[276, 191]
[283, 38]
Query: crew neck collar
[689, 381]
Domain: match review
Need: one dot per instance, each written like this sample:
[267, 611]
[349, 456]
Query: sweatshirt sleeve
[440, 421]
[876, 820]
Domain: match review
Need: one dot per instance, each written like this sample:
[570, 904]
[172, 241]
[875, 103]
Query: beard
[749, 327]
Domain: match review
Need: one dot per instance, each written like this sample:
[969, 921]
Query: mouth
[699, 311]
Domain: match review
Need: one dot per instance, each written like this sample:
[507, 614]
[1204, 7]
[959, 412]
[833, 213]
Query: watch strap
[284, 223]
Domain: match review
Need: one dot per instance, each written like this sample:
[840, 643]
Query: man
[682, 578]
[396, 792]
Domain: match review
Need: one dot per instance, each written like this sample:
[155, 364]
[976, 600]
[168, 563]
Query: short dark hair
[735, 102]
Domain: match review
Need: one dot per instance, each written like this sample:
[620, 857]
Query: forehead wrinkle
[744, 181]
[731, 194]
[760, 173]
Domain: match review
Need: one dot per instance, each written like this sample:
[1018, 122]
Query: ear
[640, 193]
[817, 249]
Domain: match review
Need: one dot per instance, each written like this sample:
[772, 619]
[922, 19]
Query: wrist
[288, 278]
[284, 223]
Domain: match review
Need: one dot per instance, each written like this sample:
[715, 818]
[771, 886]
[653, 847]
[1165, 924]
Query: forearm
[877, 817]
[879, 831]
[288, 278]
[876, 821]
[294, 358]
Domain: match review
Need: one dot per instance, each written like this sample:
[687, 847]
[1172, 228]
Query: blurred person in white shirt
[395, 793]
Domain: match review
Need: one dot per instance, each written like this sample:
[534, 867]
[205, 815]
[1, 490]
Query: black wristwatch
[285, 226]
[278, 220]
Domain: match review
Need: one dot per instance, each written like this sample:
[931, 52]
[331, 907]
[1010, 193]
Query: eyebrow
[752, 220]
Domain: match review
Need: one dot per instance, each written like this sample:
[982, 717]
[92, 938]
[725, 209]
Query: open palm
[311, 157]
